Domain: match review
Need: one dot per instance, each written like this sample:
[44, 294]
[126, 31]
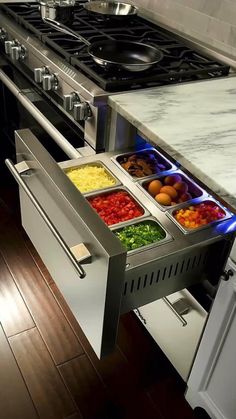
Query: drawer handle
[24, 186]
[170, 305]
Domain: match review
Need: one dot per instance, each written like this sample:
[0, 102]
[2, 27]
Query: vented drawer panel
[164, 277]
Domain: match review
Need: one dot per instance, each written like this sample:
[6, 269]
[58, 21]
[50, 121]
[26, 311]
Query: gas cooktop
[179, 64]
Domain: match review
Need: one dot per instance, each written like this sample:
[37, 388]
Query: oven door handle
[61, 141]
[77, 266]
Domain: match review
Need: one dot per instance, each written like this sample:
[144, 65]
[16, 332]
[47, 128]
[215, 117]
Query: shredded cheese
[89, 178]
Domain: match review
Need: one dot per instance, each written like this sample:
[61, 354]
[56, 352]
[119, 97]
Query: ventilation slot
[182, 267]
[151, 279]
[170, 270]
[158, 274]
[132, 286]
[145, 281]
[139, 281]
[187, 267]
[125, 289]
[176, 268]
[164, 274]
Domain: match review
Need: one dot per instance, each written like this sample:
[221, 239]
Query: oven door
[80, 251]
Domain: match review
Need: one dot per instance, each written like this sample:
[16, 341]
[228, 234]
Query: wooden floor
[48, 369]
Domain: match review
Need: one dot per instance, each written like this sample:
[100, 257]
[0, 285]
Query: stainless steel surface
[137, 220]
[95, 302]
[50, 82]
[40, 118]
[117, 189]
[179, 317]
[200, 200]
[162, 159]
[111, 8]
[13, 169]
[61, 10]
[40, 55]
[95, 163]
[126, 55]
[196, 188]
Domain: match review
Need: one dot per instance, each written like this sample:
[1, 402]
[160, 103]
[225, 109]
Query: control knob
[3, 34]
[8, 46]
[39, 73]
[82, 111]
[17, 52]
[50, 82]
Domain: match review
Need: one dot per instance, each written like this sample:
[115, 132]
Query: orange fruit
[163, 199]
[154, 187]
[171, 179]
[181, 187]
[170, 191]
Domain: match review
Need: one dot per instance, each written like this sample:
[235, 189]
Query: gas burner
[179, 64]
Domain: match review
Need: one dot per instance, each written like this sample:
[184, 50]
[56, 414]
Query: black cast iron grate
[179, 64]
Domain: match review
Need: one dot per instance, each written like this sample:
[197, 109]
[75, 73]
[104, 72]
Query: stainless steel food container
[193, 189]
[185, 230]
[121, 188]
[152, 220]
[96, 163]
[163, 160]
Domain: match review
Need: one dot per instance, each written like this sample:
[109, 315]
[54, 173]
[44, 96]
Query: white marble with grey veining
[195, 123]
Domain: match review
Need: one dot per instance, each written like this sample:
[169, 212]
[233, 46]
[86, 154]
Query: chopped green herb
[140, 234]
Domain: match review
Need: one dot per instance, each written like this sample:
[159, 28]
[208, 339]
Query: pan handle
[64, 29]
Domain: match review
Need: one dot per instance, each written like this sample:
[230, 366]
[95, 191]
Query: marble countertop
[195, 123]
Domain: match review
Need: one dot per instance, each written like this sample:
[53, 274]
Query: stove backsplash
[210, 21]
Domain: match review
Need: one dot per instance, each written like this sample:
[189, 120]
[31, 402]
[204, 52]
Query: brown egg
[181, 187]
[154, 187]
[185, 197]
[170, 191]
[171, 179]
[163, 199]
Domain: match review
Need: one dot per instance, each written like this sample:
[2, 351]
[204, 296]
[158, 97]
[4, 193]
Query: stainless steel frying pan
[125, 55]
[111, 8]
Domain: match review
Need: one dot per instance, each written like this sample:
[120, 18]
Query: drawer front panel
[94, 300]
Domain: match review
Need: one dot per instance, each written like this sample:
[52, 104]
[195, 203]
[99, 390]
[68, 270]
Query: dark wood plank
[15, 401]
[45, 385]
[84, 383]
[114, 369]
[168, 397]
[14, 315]
[54, 328]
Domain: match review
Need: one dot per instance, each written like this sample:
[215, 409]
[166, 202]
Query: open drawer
[93, 271]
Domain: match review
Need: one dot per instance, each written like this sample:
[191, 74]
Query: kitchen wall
[210, 21]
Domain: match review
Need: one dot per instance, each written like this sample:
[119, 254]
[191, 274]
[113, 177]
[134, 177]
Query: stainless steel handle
[78, 268]
[61, 141]
[64, 29]
[179, 317]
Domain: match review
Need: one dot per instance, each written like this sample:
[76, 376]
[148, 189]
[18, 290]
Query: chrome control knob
[70, 100]
[8, 45]
[3, 34]
[82, 111]
[50, 82]
[17, 52]
[38, 74]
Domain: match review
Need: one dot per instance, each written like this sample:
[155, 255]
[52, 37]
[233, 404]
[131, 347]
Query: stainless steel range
[62, 71]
